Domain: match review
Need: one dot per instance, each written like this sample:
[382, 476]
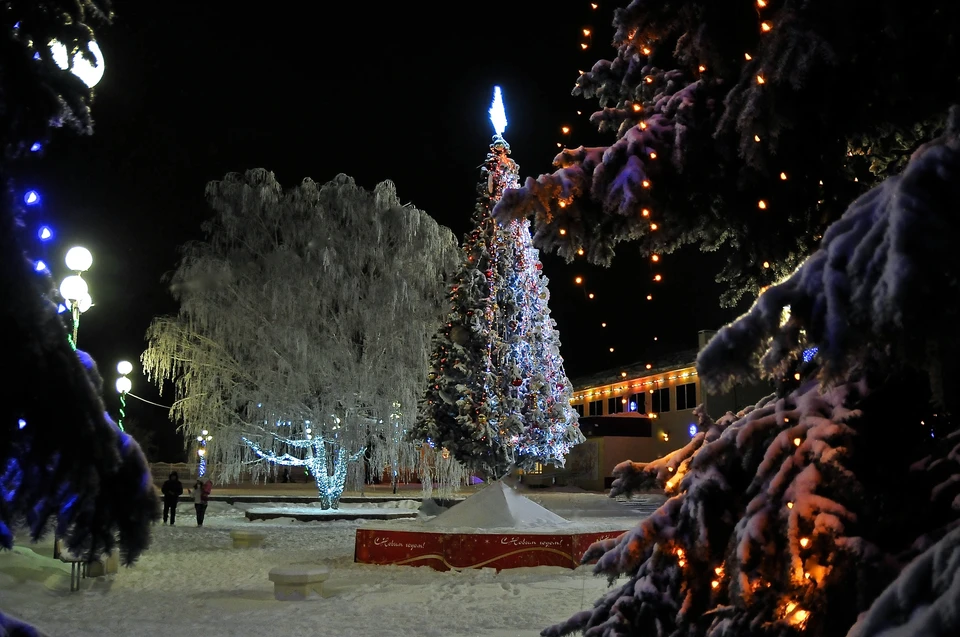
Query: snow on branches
[865, 299]
[724, 138]
[304, 326]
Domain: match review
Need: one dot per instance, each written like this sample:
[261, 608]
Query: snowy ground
[192, 582]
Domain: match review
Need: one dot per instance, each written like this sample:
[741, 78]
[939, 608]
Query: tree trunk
[330, 486]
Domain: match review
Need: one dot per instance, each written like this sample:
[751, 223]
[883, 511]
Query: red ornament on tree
[517, 382]
[489, 273]
[539, 265]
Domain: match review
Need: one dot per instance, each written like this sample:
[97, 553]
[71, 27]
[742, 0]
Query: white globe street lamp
[124, 385]
[89, 74]
[74, 289]
[78, 259]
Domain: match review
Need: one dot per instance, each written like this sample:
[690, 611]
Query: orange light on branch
[648, 79]
[580, 252]
[583, 45]
[649, 297]
[761, 3]
[756, 138]
[789, 505]
[648, 367]
[578, 280]
[590, 295]
[796, 376]
[603, 325]
[559, 145]
[760, 80]
[701, 68]
[562, 232]
[714, 584]
[637, 108]
[643, 126]
[796, 442]
[645, 183]
[783, 176]
[762, 205]
[654, 226]
[655, 257]
[645, 212]
[565, 130]
[765, 27]
[623, 375]
[645, 50]
[579, 112]
[719, 571]
[681, 563]
[611, 350]
[766, 264]
[593, 5]
[586, 31]
[562, 204]
[653, 155]
[747, 57]
[657, 278]
[804, 542]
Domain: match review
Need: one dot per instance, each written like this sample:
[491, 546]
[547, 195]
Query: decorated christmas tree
[497, 395]
[67, 467]
[821, 510]
[744, 126]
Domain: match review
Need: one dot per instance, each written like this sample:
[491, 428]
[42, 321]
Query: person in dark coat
[172, 489]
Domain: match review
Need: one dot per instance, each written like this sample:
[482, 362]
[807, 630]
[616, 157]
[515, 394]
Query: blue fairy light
[37, 146]
[31, 198]
[45, 233]
[692, 430]
[40, 266]
[22, 423]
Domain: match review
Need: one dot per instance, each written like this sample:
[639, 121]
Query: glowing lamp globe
[73, 288]
[124, 385]
[124, 367]
[79, 259]
[84, 303]
[89, 74]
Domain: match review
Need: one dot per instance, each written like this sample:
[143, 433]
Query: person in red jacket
[201, 493]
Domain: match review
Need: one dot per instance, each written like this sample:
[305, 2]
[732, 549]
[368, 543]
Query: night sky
[394, 91]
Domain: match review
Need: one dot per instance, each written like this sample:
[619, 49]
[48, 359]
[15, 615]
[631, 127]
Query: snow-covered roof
[677, 360]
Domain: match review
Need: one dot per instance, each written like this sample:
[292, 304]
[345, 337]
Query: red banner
[445, 551]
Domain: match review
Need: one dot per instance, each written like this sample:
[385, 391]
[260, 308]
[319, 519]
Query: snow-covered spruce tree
[304, 327]
[793, 516]
[61, 458]
[497, 396]
[747, 126]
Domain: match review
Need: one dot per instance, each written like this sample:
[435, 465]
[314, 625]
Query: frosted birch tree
[304, 327]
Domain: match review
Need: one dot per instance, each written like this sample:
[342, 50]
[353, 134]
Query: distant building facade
[642, 412]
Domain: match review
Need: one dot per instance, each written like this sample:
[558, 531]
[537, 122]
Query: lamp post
[202, 439]
[124, 385]
[74, 289]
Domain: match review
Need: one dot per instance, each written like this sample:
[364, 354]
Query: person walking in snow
[201, 493]
[172, 489]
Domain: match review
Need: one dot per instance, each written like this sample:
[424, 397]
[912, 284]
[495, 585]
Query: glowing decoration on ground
[45, 233]
[498, 115]
[31, 198]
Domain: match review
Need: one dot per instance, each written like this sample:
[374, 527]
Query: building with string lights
[641, 412]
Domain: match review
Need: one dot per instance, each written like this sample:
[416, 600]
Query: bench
[298, 583]
[81, 567]
[243, 539]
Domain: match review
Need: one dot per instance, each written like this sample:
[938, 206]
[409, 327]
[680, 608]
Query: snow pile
[497, 506]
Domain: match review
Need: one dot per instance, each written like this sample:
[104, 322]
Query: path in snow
[192, 582]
